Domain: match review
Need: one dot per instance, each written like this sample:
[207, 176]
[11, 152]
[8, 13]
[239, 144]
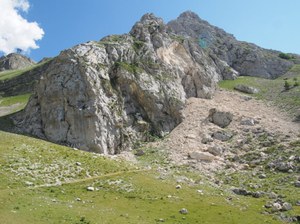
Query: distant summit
[245, 58]
[15, 61]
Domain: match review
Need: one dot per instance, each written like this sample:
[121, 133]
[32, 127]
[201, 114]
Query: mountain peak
[248, 59]
[14, 61]
[150, 29]
[189, 14]
[150, 17]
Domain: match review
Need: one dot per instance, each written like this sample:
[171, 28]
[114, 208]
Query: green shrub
[285, 56]
[132, 68]
[137, 45]
[287, 85]
[296, 83]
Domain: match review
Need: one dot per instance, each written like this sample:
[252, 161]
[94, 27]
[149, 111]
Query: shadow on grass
[7, 124]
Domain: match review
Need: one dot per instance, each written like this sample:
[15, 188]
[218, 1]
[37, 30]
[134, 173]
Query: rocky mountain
[14, 61]
[246, 58]
[105, 96]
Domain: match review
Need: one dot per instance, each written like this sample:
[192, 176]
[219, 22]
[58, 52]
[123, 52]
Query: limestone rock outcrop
[104, 96]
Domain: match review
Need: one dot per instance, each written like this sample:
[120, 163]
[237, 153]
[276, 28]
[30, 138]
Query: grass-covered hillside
[9, 74]
[284, 91]
[20, 82]
[5, 75]
[13, 104]
[46, 183]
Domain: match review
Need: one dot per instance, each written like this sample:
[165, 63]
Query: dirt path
[76, 181]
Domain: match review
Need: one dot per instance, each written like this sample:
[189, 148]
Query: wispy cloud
[16, 31]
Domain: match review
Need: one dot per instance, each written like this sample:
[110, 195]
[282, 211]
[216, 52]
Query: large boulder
[220, 118]
[222, 135]
[246, 89]
[202, 156]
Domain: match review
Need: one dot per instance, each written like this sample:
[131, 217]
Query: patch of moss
[116, 38]
[148, 63]
[110, 40]
[178, 38]
[131, 68]
[137, 45]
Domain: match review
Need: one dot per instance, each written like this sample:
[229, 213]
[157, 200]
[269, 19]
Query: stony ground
[256, 156]
[254, 124]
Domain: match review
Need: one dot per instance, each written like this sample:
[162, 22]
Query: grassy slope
[13, 104]
[5, 75]
[9, 101]
[126, 194]
[288, 101]
[21, 100]
[273, 90]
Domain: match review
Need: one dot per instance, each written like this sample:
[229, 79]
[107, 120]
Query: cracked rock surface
[104, 96]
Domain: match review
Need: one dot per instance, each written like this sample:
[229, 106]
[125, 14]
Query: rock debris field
[206, 146]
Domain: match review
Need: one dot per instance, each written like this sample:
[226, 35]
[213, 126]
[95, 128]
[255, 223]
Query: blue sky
[272, 24]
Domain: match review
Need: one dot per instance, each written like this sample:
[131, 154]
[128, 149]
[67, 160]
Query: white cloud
[15, 31]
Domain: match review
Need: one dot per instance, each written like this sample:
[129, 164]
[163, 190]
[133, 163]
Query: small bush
[285, 56]
[287, 85]
[137, 45]
[296, 83]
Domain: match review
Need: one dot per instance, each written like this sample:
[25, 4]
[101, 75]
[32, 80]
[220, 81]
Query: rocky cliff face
[105, 96]
[14, 61]
[248, 59]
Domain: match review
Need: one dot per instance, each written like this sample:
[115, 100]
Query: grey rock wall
[104, 96]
